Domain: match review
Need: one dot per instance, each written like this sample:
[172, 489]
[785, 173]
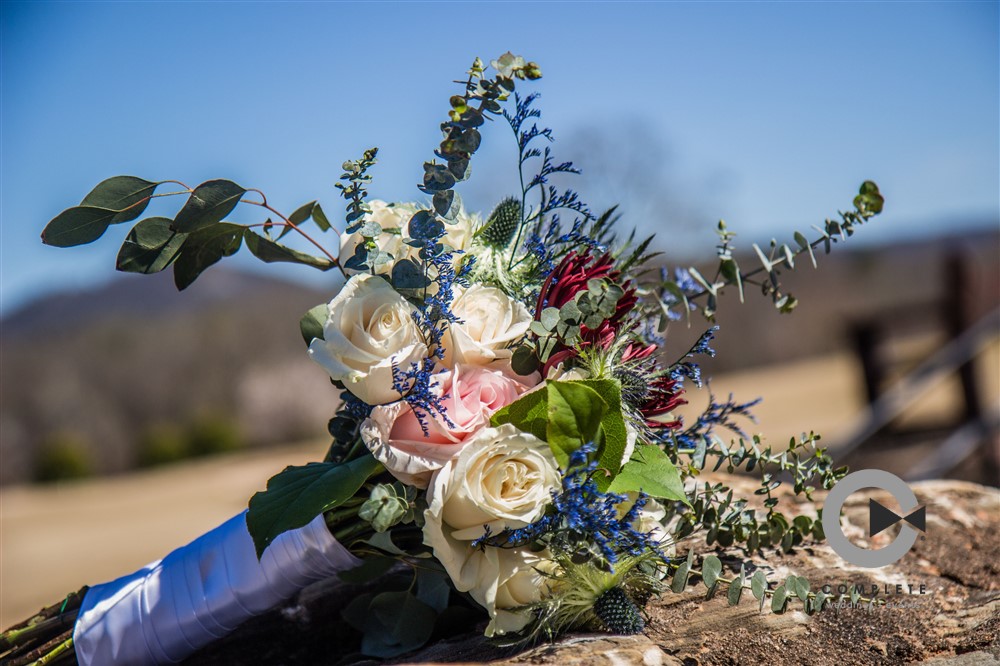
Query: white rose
[369, 328]
[491, 321]
[393, 218]
[502, 479]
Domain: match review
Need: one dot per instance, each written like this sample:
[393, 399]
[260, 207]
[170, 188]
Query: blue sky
[766, 114]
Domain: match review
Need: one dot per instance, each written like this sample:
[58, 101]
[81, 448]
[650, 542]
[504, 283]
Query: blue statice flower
[688, 369]
[581, 513]
[718, 415]
[434, 315]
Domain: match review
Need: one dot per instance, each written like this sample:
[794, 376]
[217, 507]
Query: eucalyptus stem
[52, 657]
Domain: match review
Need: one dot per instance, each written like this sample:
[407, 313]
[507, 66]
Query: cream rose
[369, 328]
[502, 478]
[471, 395]
[491, 322]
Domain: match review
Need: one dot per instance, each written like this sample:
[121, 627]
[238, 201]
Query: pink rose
[471, 395]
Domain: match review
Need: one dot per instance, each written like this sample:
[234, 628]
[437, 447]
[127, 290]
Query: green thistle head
[502, 224]
[618, 613]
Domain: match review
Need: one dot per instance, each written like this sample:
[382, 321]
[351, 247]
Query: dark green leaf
[126, 195]
[77, 226]
[650, 471]
[407, 274]
[270, 252]
[398, 622]
[298, 494]
[312, 323]
[320, 218]
[424, 226]
[433, 588]
[371, 568]
[204, 248]
[524, 360]
[210, 202]
[736, 588]
[150, 246]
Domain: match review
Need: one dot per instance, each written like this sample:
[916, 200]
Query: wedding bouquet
[506, 436]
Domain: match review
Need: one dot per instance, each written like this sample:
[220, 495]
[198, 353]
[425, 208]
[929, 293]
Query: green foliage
[868, 203]
[298, 494]
[63, 457]
[393, 623]
[150, 246]
[650, 471]
[568, 414]
[208, 204]
[794, 587]
[312, 323]
[727, 521]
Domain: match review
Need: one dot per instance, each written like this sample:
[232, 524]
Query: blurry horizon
[767, 115]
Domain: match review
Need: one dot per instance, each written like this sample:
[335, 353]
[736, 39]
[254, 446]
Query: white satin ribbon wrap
[168, 609]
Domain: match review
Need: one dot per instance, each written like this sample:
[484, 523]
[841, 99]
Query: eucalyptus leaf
[204, 248]
[77, 226]
[150, 246]
[711, 568]
[209, 203]
[270, 251]
[298, 494]
[398, 622]
[128, 195]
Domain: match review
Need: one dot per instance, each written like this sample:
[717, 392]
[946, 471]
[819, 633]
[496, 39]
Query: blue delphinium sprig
[717, 415]
[683, 368]
[581, 513]
[433, 316]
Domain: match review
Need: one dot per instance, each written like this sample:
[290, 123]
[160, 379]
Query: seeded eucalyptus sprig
[728, 521]
[867, 204]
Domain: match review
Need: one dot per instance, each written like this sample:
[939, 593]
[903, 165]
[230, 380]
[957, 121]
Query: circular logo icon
[879, 518]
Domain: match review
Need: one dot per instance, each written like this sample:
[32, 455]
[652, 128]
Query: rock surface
[952, 616]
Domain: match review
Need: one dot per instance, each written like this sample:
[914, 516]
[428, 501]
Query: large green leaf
[650, 471]
[127, 195]
[615, 439]
[205, 247]
[150, 247]
[77, 226]
[529, 413]
[574, 417]
[209, 203]
[270, 251]
[298, 494]
[564, 414]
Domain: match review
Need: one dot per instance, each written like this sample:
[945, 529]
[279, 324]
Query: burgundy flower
[664, 396]
[568, 279]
